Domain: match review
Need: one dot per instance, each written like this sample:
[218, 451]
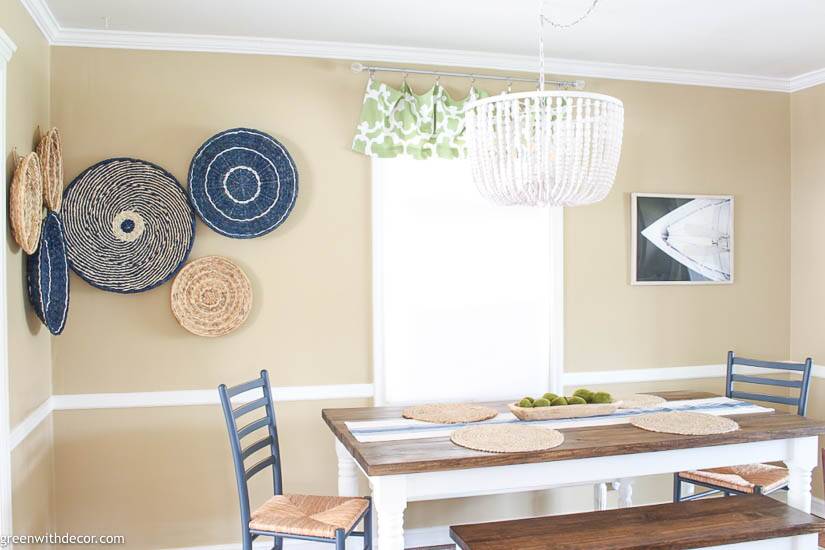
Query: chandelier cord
[544, 19]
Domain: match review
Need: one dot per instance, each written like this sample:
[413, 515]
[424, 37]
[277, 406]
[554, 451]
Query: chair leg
[247, 540]
[677, 488]
[368, 530]
[340, 539]
[279, 543]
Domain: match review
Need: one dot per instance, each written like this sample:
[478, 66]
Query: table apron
[527, 477]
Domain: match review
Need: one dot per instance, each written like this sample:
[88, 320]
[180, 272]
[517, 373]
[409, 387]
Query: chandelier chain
[544, 19]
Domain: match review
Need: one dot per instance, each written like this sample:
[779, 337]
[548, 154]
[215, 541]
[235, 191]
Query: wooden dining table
[435, 468]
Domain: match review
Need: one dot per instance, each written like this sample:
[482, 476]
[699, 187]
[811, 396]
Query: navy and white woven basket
[129, 225]
[47, 276]
[243, 183]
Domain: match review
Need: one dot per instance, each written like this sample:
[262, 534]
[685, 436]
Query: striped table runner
[398, 429]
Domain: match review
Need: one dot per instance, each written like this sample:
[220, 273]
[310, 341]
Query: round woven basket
[685, 423]
[211, 296]
[507, 438]
[243, 183]
[26, 203]
[449, 413]
[50, 152]
[129, 226]
[47, 276]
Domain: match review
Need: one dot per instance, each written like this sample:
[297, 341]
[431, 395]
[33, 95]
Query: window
[467, 294]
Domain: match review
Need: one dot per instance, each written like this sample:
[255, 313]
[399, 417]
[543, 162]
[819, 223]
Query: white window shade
[466, 293]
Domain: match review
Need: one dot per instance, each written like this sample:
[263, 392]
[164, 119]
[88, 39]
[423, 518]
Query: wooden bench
[743, 522]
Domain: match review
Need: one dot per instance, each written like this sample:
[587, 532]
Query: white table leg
[625, 492]
[600, 496]
[347, 472]
[801, 461]
[389, 499]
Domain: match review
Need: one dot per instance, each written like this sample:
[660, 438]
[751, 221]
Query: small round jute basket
[449, 413]
[26, 203]
[211, 296]
[50, 152]
[685, 423]
[507, 438]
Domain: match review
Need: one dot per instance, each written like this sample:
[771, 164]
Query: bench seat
[751, 522]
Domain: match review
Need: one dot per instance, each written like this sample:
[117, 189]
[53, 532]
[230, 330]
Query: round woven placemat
[685, 423]
[449, 413]
[211, 296]
[640, 400]
[507, 438]
[26, 203]
[50, 152]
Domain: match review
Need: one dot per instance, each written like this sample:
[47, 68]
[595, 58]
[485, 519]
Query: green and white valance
[400, 122]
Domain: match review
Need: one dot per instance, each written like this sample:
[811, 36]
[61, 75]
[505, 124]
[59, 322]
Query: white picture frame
[654, 260]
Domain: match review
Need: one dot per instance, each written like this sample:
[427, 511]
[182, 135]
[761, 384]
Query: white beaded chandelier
[542, 148]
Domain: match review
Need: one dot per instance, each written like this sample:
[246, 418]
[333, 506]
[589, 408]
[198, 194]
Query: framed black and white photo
[681, 239]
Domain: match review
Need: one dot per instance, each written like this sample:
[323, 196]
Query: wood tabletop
[439, 453]
[698, 524]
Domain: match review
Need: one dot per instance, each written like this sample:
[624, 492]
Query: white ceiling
[762, 38]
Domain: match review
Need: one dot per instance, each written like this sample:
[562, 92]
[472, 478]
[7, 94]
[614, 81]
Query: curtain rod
[360, 68]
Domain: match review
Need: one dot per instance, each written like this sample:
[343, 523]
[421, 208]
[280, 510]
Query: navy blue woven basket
[129, 225]
[243, 183]
[47, 276]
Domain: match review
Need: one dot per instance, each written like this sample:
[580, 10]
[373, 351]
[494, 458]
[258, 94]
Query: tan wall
[27, 106]
[807, 232]
[311, 321]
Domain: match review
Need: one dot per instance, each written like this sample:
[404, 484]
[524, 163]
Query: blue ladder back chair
[759, 478]
[270, 519]
[800, 401]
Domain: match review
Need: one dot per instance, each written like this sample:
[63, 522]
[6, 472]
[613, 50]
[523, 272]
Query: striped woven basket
[26, 203]
[129, 226]
[243, 183]
[47, 276]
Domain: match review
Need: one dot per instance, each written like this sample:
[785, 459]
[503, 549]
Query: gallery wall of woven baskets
[127, 225]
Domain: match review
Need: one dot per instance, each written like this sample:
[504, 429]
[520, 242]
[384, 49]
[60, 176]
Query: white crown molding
[7, 47]
[399, 54]
[43, 18]
[807, 80]
[94, 38]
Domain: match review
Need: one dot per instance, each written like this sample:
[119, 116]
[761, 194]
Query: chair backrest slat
[255, 447]
[800, 401]
[249, 407]
[769, 364]
[765, 397]
[766, 381]
[253, 426]
[245, 387]
[270, 441]
[258, 466]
